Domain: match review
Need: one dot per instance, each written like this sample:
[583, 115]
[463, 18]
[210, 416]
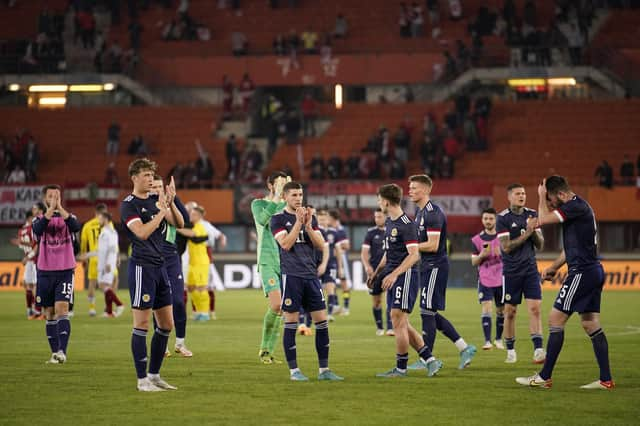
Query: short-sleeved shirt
[579, 234]
[300, 260]
[523, 258]
[341, 235]
[490, 270]
[375, 241]
[432, 222]
[198, 251]
[400, 234]
[143, 252]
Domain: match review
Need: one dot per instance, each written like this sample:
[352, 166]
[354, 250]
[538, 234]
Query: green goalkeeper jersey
[268, 250]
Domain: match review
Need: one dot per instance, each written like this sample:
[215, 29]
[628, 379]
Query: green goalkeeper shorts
[270, 277]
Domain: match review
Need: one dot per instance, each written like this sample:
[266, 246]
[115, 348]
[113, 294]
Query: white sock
[292, 371]
[142, 380]
[431, 358]
[322, 370]
[91, 299]
[179, 341]
[460, 344]
[153, 376]
[511, 351]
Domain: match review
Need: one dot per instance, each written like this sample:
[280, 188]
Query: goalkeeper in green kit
[269, 262]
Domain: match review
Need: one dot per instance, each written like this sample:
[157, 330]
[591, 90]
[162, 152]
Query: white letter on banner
[358, 276]
[256, 277]
[231, 269]
[217, 281]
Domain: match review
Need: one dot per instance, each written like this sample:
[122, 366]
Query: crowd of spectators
[237, 99]
[629, 173]
[19, 158]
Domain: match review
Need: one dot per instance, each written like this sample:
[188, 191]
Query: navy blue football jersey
[331, 236]
[375, 240]
[523, 258]
[147, 252]
[579, 234]
[341, 234]
[319, 252]
[301, 260]
[399, 235]
[431, 222]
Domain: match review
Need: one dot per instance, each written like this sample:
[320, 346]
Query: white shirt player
[107, 254]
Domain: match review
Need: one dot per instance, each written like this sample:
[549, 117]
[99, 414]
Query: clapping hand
[171, 191]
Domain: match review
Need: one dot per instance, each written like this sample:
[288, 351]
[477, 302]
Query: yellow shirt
[198, 251]
[89, 236]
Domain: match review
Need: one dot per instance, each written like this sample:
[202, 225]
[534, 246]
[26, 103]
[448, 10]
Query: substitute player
[174, 268]
[27, 243]
[582, 289]
[297, 233]
[343, 245]
[329, 277]
[145, 218]
[371, 254]
[485, 255]
[89, 244]
[268, 260]
[198, 273]
[519, 238]
[108, 264]
[56, 264]
[398, 270]
[434, 270]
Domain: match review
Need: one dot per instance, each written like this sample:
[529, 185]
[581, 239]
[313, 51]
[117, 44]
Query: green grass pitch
[224, 383]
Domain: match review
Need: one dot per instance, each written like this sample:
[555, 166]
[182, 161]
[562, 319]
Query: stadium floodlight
[526, 82]
[338, 96]
[53, 101]
[14, 87]
[563, 81]
[48, 88]
[108, 86]
[85, 88]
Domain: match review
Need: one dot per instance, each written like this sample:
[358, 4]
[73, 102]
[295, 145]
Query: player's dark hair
[28, 214]
[275, 175]
[106, 215]
[555, 184]
[378, 210]
[41, 206]
[423, 179]
[157, 177]
[514, 186]
[48, 187]
[335, 214]
[391, 192]
[489, 210]
[140, 164]
[101, 207]
[291, 185]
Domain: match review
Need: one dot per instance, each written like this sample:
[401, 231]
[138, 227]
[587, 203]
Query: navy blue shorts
[376, 289]
[330, 275]
[581, 291]
[404, 292]
[174, 272]
[519, 284]
[149, 286]
[302, 293]
[433, 287]
[487, 294]
[54, 286]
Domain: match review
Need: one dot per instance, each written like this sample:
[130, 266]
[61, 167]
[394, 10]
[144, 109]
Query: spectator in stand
[17, 176]
[433, 7]
[575, 41]
[310, 41]
[233, 157]
[227, 98]
[352, 166]
[326, 50]
[451, 145]
[627, 172]
[135, 30]
[397, 169]
[446, 167]
[404, 21]
[341, 27]
[113, 139]
[239, 43]
[334, 167]
[292, 125]
[604, 173]
[317, 167]
[204, 167]
[387, 152]
[31, 158]
[246, 90]
[177, 172]
[115, 57]
[271, 112]
[138, 147]
[309, 115]
[253, 165]
[402, 142]
[293, 42]
[464, 56]
[111, 176]
[450, 68]
[279, 46]
[87, 23]
[417, 20]
[190, 176]
[471, 134]
[455, 10]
